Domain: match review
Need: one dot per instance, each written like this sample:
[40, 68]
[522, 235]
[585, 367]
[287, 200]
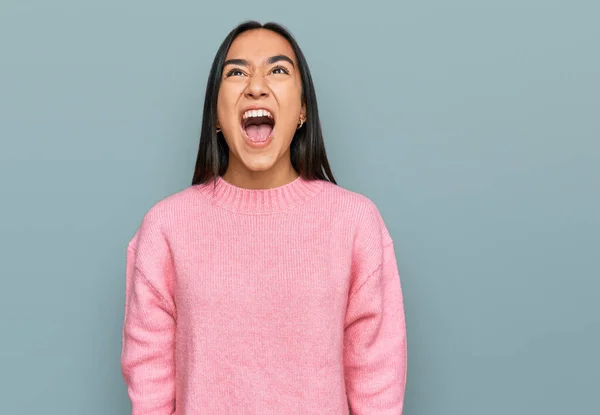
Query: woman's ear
[302, 119]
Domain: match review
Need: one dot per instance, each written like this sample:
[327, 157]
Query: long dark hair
[307, 149]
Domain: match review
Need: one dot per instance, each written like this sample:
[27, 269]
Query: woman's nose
[257, 87]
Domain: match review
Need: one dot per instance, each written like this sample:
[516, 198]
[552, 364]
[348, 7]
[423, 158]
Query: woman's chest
[263, 269]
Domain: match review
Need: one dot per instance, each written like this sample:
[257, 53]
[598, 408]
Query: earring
[301, 122]
[218, 130]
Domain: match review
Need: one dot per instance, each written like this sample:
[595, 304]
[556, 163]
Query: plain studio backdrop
[474, 126]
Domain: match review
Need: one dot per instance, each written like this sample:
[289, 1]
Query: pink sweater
[279, 301]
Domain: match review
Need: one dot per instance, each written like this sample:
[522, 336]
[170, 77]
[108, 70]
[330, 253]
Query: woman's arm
[148, 353]
[375, 351]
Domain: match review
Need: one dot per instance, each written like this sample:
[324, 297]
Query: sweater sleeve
[375, 350]
[148, 347]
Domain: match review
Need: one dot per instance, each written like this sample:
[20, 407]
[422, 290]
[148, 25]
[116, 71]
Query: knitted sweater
[277, 301]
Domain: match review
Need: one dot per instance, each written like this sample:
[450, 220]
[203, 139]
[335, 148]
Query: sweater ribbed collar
[260, 201]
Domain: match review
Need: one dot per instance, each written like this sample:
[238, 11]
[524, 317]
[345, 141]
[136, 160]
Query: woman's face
[260, 101]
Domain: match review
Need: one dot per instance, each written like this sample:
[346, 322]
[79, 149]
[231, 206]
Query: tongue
[259, 132]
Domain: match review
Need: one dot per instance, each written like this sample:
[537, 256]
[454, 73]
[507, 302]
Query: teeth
[257, 113]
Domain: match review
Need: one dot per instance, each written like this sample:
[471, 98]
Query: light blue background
[474, 126]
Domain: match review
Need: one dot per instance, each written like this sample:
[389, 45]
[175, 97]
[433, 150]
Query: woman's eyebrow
[270, 61]
[278, 58]
[240, 62]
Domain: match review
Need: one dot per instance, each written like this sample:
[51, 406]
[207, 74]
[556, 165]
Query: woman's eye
[235, 72]
[279, 70]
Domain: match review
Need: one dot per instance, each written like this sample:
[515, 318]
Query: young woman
[263, 288]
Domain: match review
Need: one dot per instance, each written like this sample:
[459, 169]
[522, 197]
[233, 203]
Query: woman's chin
[257, 155]
[258, 163]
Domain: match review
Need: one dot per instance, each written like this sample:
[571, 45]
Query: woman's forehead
[259, 45]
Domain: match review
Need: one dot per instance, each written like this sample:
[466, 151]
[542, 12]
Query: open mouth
[258, 125]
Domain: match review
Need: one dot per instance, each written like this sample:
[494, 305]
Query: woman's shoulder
[347, 200]
[171, 206]
[166, 212]
[357, 209]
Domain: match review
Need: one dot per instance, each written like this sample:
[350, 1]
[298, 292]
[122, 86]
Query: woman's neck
[240, 176]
